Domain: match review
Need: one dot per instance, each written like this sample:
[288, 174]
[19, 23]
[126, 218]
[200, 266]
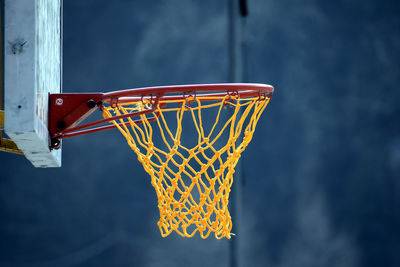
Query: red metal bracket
[68, 110]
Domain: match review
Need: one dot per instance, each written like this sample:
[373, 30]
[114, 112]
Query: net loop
[190, 146]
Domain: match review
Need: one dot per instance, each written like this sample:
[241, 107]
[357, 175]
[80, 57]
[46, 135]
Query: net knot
[196, 216]
[204, 168]
[202, 226]
[203, 197]
[212, 183]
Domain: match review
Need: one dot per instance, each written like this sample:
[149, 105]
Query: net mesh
[192, 172]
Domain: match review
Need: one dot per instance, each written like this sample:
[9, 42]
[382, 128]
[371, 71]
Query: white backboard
[32, 70]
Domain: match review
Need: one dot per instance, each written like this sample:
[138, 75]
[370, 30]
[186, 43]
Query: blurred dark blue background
[321, 176]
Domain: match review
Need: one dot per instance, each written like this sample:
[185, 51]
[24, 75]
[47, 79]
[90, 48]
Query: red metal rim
[216, 90]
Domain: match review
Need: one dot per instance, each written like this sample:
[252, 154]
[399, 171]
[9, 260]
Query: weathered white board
[32, 70]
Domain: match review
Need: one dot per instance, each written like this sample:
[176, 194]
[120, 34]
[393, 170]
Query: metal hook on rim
[231, 95]
[189, 97]
[114, 102]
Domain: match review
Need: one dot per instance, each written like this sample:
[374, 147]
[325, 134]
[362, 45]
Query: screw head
[59, 101]
[61, 125]
[91, 103]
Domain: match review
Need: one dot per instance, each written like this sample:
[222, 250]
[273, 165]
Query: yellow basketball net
[192, 182]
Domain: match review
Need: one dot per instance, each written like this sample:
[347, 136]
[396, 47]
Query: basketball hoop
[192, 182]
